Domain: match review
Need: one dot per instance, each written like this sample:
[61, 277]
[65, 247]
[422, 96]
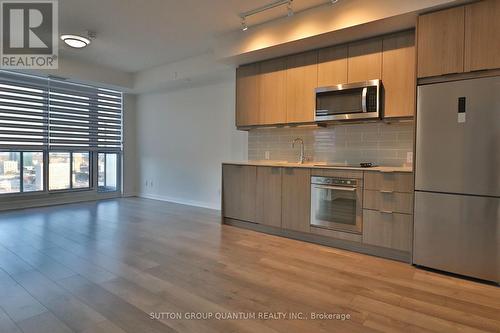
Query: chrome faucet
[302, 157]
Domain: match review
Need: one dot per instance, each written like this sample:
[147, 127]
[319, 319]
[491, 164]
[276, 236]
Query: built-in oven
[337, 204]
[351, 101]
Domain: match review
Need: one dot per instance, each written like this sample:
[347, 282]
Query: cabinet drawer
[387, 230]
[396, 202]
[389, 181]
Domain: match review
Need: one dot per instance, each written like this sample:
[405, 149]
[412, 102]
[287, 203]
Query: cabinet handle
[386, 191]
[386, 212]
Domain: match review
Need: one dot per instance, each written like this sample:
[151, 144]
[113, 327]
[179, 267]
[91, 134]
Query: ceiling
[134, 35]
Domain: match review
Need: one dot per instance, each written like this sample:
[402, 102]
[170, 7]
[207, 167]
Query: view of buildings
[10, 172]
[60, 171]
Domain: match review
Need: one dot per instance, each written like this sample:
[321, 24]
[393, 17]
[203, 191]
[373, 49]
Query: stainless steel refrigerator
[457, 178]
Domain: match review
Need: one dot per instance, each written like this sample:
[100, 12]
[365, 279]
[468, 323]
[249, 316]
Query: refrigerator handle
[363, 99]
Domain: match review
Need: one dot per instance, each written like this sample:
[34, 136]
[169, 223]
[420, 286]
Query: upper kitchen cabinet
[272, 92]
[441, 42]
[301, 82]
[332, 66]
[482, 30]
[364, 60]
[398, 74]
[247, 95]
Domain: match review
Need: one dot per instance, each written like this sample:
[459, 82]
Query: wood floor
[105, 267]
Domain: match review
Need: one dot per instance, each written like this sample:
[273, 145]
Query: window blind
[23, 111]
[58, 115]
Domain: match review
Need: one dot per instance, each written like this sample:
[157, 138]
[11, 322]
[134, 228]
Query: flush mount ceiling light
[77, 41]
[243, 16]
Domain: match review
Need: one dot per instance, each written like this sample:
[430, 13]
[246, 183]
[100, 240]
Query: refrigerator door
[459, 152]
[458, 233]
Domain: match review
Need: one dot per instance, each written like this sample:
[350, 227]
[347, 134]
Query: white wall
[182, 138]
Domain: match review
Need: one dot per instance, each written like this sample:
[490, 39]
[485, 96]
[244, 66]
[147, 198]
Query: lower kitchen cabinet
[268, 205]
[391, 230]
[296, 199]
[239, 186]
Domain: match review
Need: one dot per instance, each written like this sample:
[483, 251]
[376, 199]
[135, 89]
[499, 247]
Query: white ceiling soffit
[321, 26]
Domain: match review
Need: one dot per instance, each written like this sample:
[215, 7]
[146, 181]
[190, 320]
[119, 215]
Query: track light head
[244, 26]
[289, 9]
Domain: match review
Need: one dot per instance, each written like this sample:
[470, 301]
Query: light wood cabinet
[388, 201]
[296, 199]
[365, 60]
[301, 82]
[272, 90]
[389, 181]
[282, 90]
[441, 42]
[388, 209]
[247, 95]
[332, 66]
[239, 188]
[389, 230]
[268, 203]
[482, 30]
[398, 74]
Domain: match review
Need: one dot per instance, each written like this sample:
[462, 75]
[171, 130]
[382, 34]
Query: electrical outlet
[266, 154]
[409, 157]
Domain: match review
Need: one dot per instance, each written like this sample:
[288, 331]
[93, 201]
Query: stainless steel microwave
[351, 101]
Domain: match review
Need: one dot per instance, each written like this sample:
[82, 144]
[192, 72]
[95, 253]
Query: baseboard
[179, 201]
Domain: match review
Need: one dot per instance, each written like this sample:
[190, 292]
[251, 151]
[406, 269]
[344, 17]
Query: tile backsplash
[380, 143]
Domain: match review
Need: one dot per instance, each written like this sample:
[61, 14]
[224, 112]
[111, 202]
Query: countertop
[320, 165]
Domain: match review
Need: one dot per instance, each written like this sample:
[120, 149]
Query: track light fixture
[271, 5]
[276, 3]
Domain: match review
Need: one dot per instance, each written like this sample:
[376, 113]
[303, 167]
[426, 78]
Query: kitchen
[332, 140]
[250, 166]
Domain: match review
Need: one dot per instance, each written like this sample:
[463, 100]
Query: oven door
[336, 207]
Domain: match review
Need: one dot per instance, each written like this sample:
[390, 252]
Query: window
[53, 131]
[81, 170]
[32, 171]
[107, 178]
[14, 179]
[10, 175]
[59, 171]
[69, 170]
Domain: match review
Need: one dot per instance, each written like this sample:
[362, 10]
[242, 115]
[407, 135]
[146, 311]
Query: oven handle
[339, 188]
[363, 99]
